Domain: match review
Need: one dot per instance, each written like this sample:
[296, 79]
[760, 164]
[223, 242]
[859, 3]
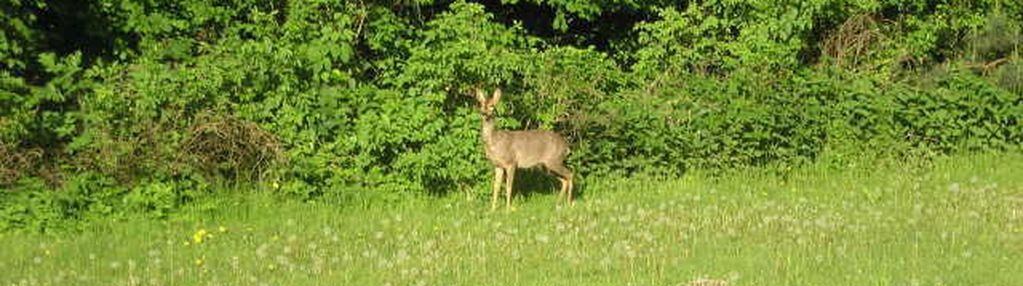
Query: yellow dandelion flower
[222, 229]
[199, 235]
[198, 262]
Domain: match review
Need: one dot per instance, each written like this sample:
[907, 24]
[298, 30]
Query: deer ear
[480, 96]
[496, 97]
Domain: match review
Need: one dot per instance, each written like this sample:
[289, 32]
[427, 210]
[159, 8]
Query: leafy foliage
[168, 100]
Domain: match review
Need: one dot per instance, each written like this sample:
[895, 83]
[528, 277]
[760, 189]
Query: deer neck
[487, 132]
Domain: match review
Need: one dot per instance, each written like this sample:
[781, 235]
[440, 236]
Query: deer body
[515, 149]
[511, 150]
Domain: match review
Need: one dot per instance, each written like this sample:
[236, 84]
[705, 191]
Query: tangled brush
[232, 148]
[853, 41]
[16, 162]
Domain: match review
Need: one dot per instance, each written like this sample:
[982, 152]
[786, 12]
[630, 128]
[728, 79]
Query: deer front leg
[510, 176]
[498, 173]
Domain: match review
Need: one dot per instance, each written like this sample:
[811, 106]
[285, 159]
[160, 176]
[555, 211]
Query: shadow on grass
[537, 181]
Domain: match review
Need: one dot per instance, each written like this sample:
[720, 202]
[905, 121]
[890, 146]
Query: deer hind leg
[561, 192]
[498, 177]
[571, 184]
[510, 177]
[565, 176]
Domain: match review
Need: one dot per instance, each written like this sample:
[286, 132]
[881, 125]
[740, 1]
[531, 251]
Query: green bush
[168, 101]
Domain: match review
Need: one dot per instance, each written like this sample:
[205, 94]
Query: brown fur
[511, 150]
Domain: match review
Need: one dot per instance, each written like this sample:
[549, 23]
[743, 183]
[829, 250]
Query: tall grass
[954, 221]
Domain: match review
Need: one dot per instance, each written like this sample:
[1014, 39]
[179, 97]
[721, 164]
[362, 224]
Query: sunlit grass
[956, 222]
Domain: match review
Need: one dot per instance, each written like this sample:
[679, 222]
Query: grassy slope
[959, 222]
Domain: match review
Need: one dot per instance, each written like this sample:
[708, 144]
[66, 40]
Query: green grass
[958, 221]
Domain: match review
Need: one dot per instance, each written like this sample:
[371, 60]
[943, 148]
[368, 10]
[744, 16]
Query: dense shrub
[171, 100]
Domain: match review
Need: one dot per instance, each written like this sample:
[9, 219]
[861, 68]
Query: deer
[511, 150]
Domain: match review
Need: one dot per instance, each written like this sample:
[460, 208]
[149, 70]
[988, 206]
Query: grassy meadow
[344, 142]
[952, 221]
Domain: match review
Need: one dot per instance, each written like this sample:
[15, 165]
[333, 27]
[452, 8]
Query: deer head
[488, 106]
